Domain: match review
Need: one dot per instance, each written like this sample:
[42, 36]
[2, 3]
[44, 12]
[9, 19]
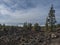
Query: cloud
[13, 11]
[21, 15]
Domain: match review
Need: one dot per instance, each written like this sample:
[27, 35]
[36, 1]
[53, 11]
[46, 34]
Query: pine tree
[51, 21]
[29, 26]
[25, 26]
[46, 24]
[37, 27]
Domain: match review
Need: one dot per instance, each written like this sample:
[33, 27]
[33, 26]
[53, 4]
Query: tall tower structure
[51, 20]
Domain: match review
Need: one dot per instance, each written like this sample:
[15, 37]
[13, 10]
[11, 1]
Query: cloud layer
[20, 11]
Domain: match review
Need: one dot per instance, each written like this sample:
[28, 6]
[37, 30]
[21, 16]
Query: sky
[31, 11]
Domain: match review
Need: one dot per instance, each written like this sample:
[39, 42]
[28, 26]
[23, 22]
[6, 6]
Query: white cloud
[36, 14]
[22, 15]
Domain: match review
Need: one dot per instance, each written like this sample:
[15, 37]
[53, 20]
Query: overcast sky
[34, 11]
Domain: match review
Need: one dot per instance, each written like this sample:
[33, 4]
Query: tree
[46, 24]
[58, 25]
[29, 26]
[25, 26]
[0, 26]
[37, 27]
[51, 21]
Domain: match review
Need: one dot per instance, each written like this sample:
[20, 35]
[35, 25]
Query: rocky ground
[23, 37]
